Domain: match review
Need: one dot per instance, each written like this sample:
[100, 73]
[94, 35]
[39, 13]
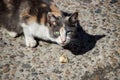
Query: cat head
[61, 28]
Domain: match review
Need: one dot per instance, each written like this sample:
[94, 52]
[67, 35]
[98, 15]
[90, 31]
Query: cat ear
[51, 18]
[73, 18]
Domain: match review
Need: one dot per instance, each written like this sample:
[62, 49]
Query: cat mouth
[63, 43]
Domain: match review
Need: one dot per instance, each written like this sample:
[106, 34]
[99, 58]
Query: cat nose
[63, 41]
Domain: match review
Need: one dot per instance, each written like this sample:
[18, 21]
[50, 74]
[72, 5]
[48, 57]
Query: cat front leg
[29, 39]
[30, 42]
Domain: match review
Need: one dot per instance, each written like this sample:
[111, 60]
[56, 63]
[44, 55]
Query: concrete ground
[95, 55]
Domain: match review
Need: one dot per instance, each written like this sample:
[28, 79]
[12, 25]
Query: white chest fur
[34, 30]
[37, 30]
[40, 31]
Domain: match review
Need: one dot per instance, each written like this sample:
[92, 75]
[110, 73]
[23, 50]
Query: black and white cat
[37, 18]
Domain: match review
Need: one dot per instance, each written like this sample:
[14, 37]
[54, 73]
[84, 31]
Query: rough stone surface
[92, 57]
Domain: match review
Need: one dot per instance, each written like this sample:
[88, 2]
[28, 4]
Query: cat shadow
[82, 42]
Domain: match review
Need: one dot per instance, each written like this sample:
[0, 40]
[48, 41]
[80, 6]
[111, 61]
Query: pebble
[34, 74]
[98, 11]
[26, 65]
[6, 68]
[113, 1]
[63, 59]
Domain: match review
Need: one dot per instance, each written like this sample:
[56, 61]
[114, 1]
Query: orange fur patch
[32, 19]
[43, 19]
[24, 13]
[55, 10]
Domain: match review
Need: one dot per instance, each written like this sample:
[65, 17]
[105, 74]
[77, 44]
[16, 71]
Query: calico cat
[37, 18]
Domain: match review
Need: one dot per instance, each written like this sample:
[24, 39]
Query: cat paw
[31, 43]
[12, 34]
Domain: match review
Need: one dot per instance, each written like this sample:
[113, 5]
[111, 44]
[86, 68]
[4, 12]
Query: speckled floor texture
[95, 55]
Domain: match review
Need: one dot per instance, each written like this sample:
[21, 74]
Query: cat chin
[63, 44]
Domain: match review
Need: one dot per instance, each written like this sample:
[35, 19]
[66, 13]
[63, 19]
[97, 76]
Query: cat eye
[69, 32]
[57, 33]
